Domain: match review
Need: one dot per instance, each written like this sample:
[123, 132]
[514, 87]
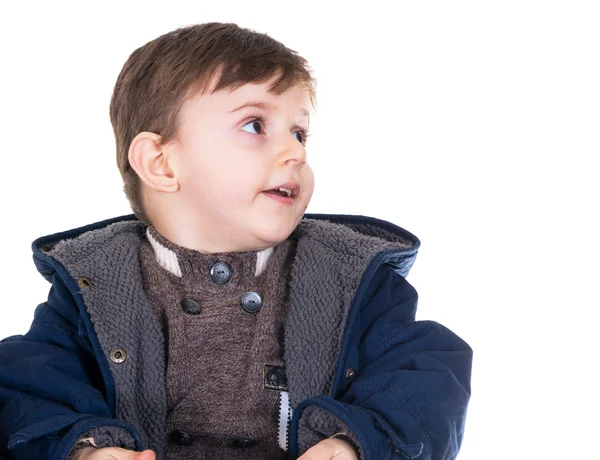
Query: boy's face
[224, 161]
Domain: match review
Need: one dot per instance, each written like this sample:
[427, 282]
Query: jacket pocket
[410, 451]
[44, 428]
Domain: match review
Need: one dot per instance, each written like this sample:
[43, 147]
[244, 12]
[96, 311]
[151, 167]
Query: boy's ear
[149, 161]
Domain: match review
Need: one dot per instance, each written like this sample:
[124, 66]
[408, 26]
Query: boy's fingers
[320, 451]
[145, 455]
[330, 448]
[119, 453]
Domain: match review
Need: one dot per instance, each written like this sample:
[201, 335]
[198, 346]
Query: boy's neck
[183, 261]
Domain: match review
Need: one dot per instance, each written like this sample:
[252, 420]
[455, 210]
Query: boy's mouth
[279, 192]
[280, 197]
[289, 189]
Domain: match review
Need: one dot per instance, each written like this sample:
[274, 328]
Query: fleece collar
[182, 261]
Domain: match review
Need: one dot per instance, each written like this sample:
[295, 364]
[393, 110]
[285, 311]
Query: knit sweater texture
[217, 351]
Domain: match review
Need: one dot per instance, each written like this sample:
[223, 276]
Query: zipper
[285, 419]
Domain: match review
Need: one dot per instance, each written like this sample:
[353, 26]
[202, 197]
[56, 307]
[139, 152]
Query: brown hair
[159, 76]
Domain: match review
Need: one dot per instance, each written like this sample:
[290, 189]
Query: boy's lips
[292, 185]
[282, 199]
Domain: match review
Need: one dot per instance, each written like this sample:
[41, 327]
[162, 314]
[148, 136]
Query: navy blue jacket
[402, 386]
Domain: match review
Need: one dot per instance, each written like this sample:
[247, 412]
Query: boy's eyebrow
[267, 106]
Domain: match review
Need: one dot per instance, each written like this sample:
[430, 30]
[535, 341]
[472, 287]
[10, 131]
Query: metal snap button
[84, 282]
[251, 302]
[350, 373]
[220, 272]
[118, 355]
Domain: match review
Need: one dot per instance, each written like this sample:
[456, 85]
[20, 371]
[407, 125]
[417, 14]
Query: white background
[474, 125]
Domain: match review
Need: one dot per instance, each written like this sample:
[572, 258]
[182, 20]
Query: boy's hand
[113, 453]
[327, 449]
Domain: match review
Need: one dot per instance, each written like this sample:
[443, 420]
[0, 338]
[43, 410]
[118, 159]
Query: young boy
[219, 320]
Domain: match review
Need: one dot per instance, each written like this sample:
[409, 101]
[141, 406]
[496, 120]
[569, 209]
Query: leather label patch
[274, 378]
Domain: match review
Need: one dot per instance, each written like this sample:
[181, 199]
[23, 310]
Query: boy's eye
[304, 135]
[257, 123]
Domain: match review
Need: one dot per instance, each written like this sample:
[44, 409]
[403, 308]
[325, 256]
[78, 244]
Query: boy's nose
[295, 154]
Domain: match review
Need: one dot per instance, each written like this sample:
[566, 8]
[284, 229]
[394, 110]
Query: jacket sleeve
[405, 388]
[51, 389]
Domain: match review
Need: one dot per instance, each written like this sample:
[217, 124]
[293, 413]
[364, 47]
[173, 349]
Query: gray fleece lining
[317, 424]
[117, 304]
[103, 437]
[329, 262]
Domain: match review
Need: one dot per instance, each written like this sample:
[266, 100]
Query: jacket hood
[400, 245]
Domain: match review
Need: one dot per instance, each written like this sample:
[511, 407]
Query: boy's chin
[273, 233]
